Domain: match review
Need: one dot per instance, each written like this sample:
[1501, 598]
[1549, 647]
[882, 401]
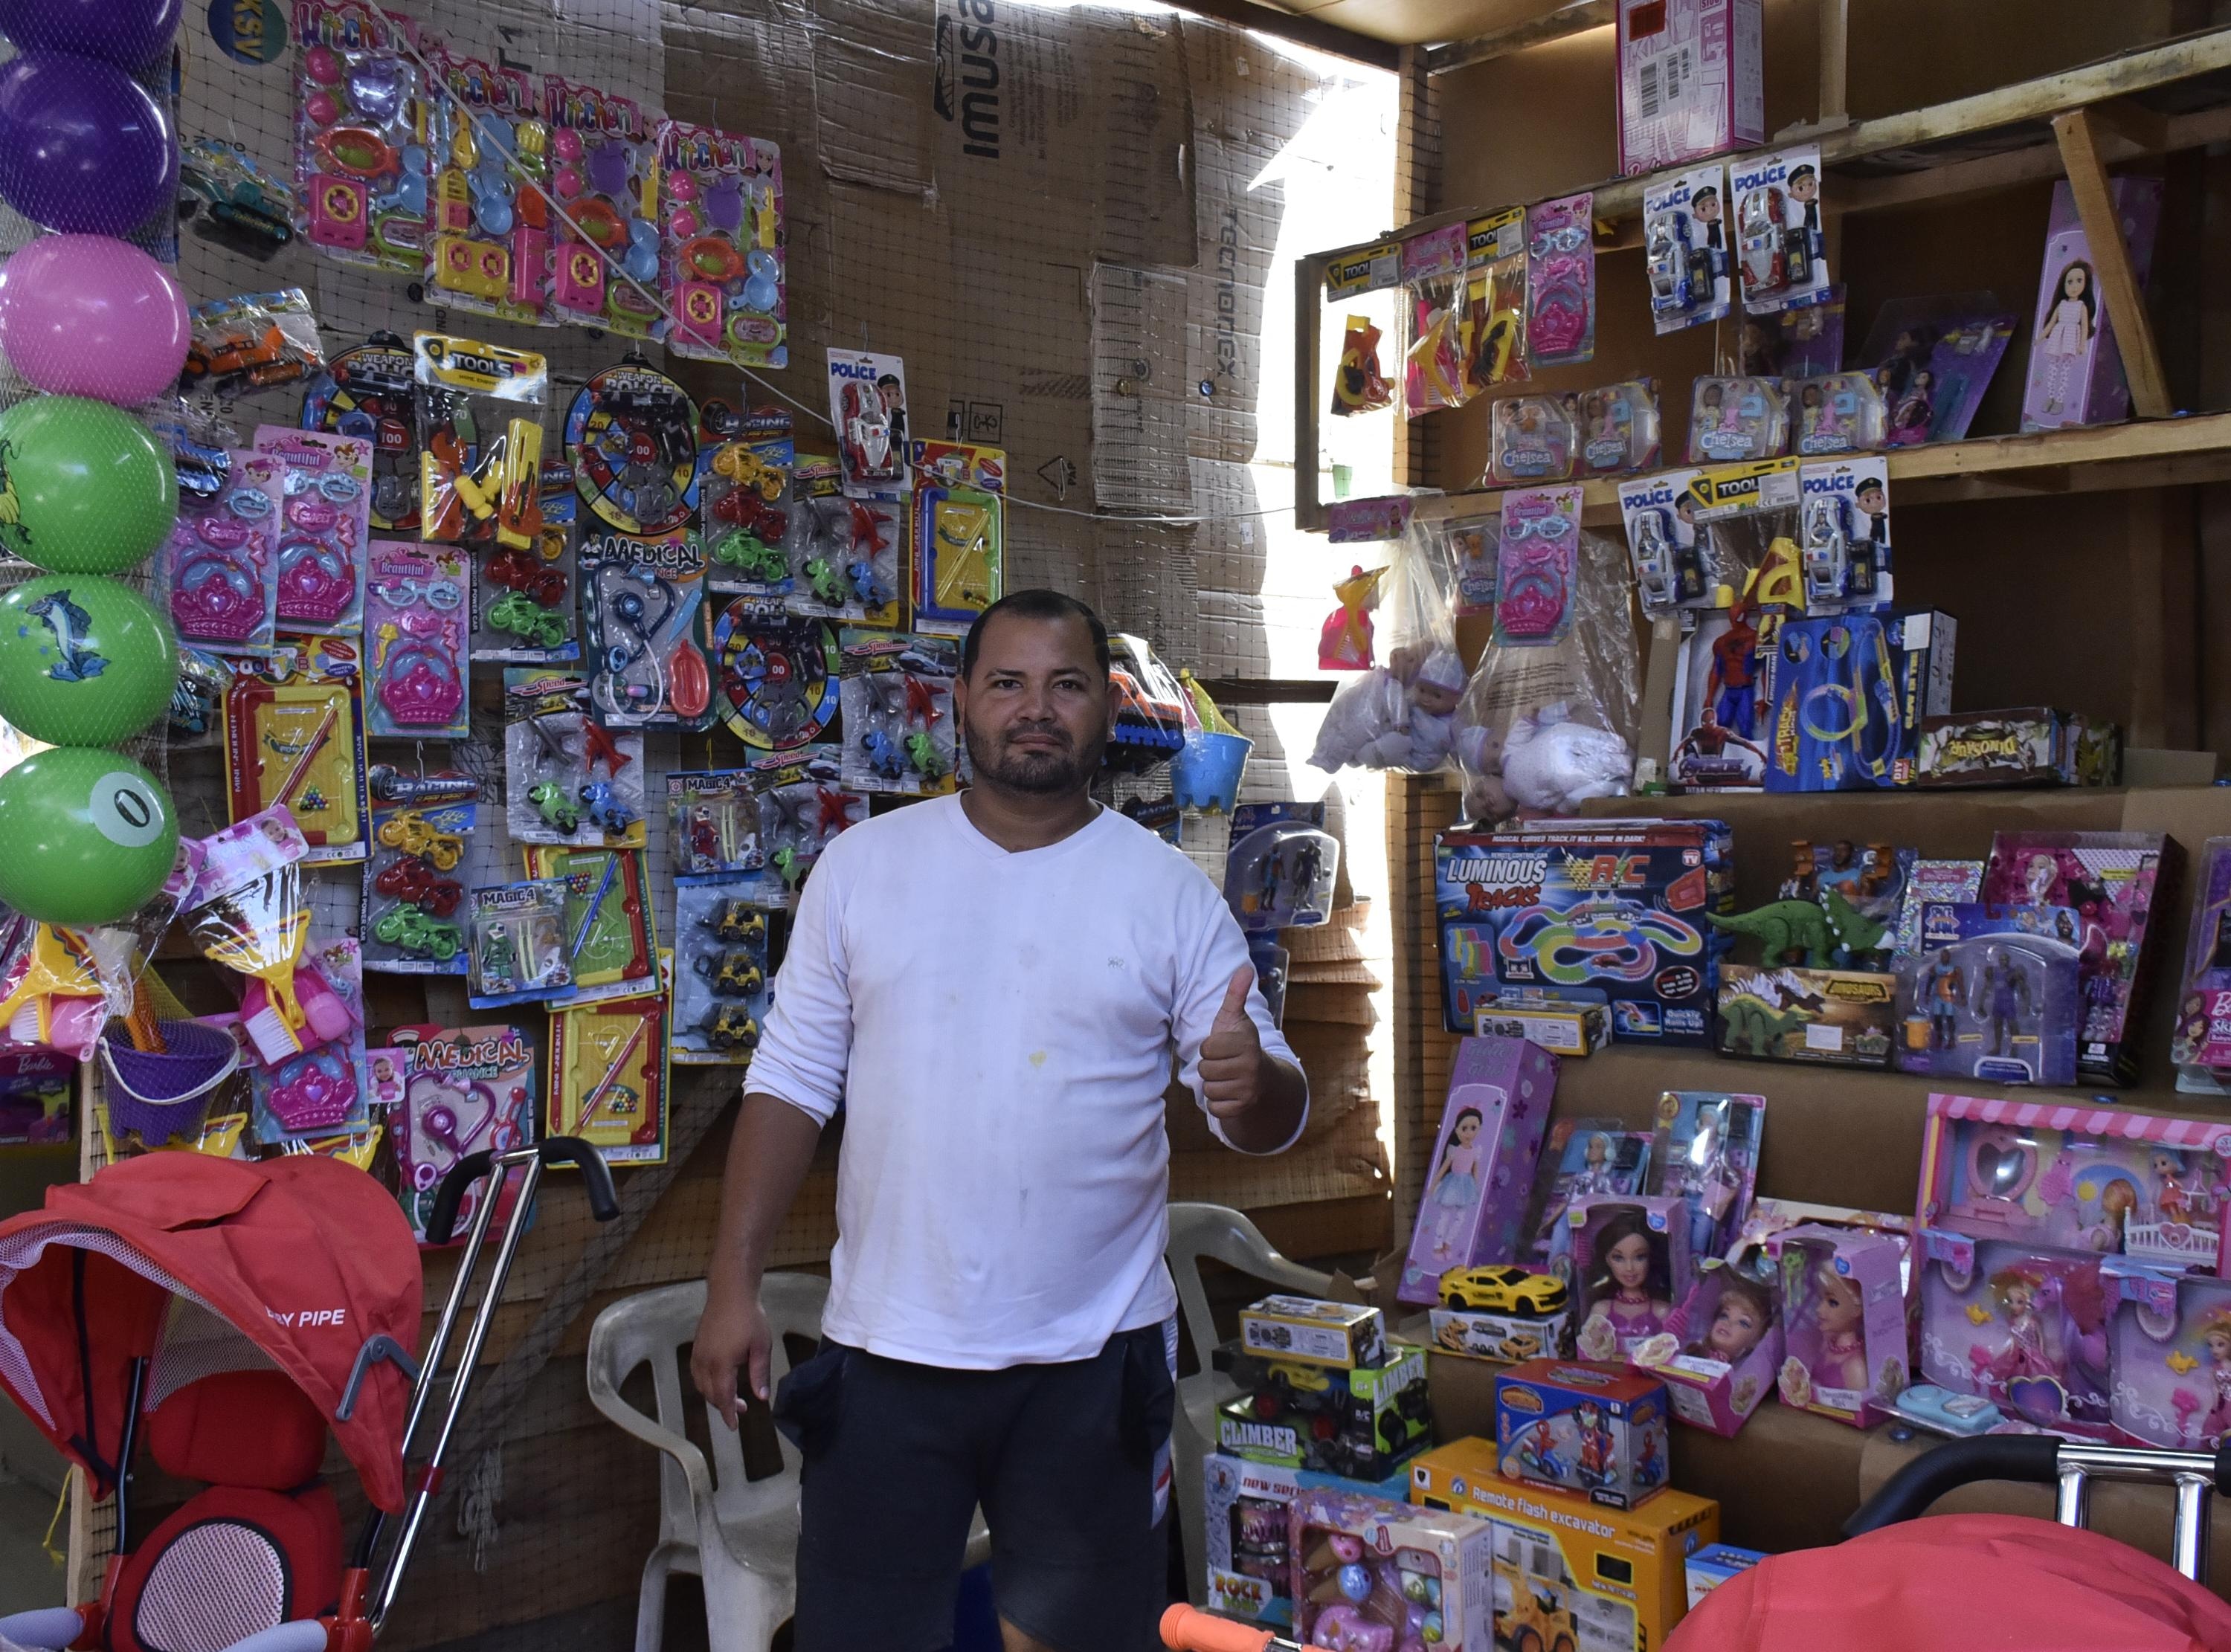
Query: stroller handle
[596, 1181]
[2038, 1459]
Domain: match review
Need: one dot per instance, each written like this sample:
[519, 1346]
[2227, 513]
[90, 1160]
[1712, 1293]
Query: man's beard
[1037, 773]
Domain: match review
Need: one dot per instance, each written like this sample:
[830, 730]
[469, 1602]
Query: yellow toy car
[1502, 1288]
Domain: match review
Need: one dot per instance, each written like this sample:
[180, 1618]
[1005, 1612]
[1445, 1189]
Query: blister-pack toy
[1779, 247]
[1835, 413]
[325, 514]
[712, 822]
[847, 555]
[567, 779]
[604, 172]
[1844, 534]
[295, 739]
[489, 246]
[647, 630]
[896, 695]
[1560, 281]
[744, 491]
[234, 200]
[1360, 384]
[1537, 563]
[366, 391]
[1495, 300]
[480, 434]
[1662, 540]
[1736, 418]
[728, 941]
[523, 600]
[252, 341]
[466, 1090]
[415, 640]
[868, 409]
[1473, 545]
[414, 883]
[1991, 994]
[1436, 360]
[518, 950]
[220, 567]
[804, 804]
[1705, 1155]
[960, 534]
[1684, 248]
[721, 205]
[361, 164]
[1531, 440]
[1615, 428]
[1281, 868]
[632, 435]
[609, 944]
[324, 1087]
[778, 673]
[608, 1077]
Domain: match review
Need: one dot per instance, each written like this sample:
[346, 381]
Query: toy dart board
[778, 674]
[366, 391]
[632, 436]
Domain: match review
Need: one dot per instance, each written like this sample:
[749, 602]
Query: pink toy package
[2025, 1328]
[1843, 1321]
[1372, 1576]
[721, 201]
[2091, 1179]
[325, 518]
[1473, 1209]
[1631, 1256]
[1692, 80]
[1720, 1350]
[2075, 367]
[2172, 1351]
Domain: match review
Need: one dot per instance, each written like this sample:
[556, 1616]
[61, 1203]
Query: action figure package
[1281, 868]
[1991, 994]
[712, 822]
[1582, 1157]
[519, 952]
[1705, 1153]
[1402, 714]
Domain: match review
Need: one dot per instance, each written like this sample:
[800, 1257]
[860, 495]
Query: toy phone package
[804, 804]
[360, 155]
[324, 519]
[727, 940]
[961, 534]
[1991, 994]
[522, 602]
[519, 945]
[1473, 546]
[490, 248]
[1580, 1156]
[220, 566]
[465, 1090]
[1848, 694]
[1705, 1155]
[1281, 868]
[1436, 361]
[1615, 428]
[415, 641]
[778, 673]
[251, 341]
[631, 438]
[604, 171]
[2201, 1044]
[896, 695]
[366, 391]
[712, 822]
[1560, 281]
[567, 779]
[1779, 245]
[609, 943]
[1835, 413]
[1532, 439]
[1664, 541]
[648, 631]
[480, 433]
[1844, 534]
[1736, 418]
[1359, 381]
[1537, 565]
[744, 490]
[846, 555]
[721, 199]
[608, 1077]
[1495, 300]
[1684, 250]
[325, 1088]
[294, 738]
[1932, 358]
[414, 890]
[867, 406]
[1400, 714]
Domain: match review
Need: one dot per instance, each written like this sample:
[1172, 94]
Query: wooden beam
[1309, 391]
[1303, 31]
[1575, 18]
[1269, 691]
[1835, 43]
[2146, 130]
[2110, 260]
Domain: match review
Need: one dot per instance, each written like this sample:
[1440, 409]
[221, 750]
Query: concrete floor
[28, 1577]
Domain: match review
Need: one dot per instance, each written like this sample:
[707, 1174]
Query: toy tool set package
[1692, 80]
[721, 198]
[1780, 249]
[325, 489]
[294, 738]
[2031, 746]
[1361, 1566]
[1474, 1204]
[220, 568]
[1684, 248]
[608, 1078]
[567, 778]
[1560, 281]
[414, 882]
[960, 534]
[868, 409]
[604, 168]
[416, 640]
[360, 156]
[1598, 1430]
[727, 940]
[1437, 357]
[479, 410]
[1992, 994]
[1246, 1504]
[1849, 694]
[490, 248]
[609, 945]
[465, 1090]
[2075, 365]
[1495, 300]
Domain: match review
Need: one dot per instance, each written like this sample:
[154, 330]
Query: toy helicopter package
[868, 407]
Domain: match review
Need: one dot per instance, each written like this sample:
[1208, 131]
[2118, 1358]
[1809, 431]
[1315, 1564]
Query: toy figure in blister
[1533, 440]
[1735, 418]
[1617, 428]
[631, 433]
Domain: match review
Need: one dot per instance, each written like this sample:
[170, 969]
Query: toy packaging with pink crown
[1372, 1576]
[1630, 1262]
[2172, 1361]
[2202, 1045]
[1473, 1209]
[1720, 1351]
[2112, 880]
[1598, 1430]
[2075, 366]
[1843, 1321]
[2091, 1179]
[1692, 80]
[2024, 1327]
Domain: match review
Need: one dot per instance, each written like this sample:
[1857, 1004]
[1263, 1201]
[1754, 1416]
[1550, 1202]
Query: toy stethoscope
[316, 582]
[637, 603]
[439, 1124]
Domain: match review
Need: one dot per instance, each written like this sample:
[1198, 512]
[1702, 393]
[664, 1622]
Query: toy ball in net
[91, 836]
[131, 34]
[83, 148]
[83, 487]
[88, 315]
[84, 660]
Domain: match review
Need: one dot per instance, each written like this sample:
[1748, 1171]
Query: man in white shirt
[992, 985]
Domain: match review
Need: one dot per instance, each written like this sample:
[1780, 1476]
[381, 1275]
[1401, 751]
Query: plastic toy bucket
[1206, 773]
[157, 1095]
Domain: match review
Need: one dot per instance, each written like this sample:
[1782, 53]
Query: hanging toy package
[1536, 566]
[325, 1087]
[1615, 429]
[294, 738]
[1359, 382]
[523, 607]
[1531, 439]
[632, 439]
[413, 889]
[961, 534]
[1475, 547]
[609, 944]
[728, 933]
[1835, 413]
[479, 410]
[712, 822]
[1779, 244]
[804, 804]
[252, 341]
[1344, 643]
[518, 953]
[608, 1078]
[1684, 248]
[360, 157]
[567, 779]
[1736, 418]
[366, 392]
[1495, 300]
[603, 164]
[465, 1090]
[325, 518]
[896, 694]
[1434, 365]
[489, 251]
[1560, 281]
[414, 627]
[1402, 714]
[744, 491]
[648, 630]
[868, 409]
[251, 916]
[722, 200]
[847, 560]
[1547, 726]
[219, 567]
[1660, 515]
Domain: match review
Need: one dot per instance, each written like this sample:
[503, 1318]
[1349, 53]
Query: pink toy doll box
[1631, 1256]
[1690, 80]
[1843, 1321]
[2085, 1178]
[2172, 1358]
[1719, 1353]
[1474, 1205]
[1363, 1568]
[2025, 1328]
[2075, 367]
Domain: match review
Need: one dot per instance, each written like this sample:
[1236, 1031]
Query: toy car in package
[728, 933]
[868, 407]
[568, 779]
[414, 882]
[1779, 245]
[254, 341]
[1150, 708]
[1684, 250]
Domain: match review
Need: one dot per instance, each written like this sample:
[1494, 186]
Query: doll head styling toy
[1630, 1285]
[1739, 1319]
[1841, 1360]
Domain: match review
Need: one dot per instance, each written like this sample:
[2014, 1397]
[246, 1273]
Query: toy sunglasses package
[2202, 1045]
[1560, 281]
[465, 1090]
[1536, 561]
[412, 921]
[1495, 300]
[2028, 1329]
[1581, 1157]
[610, 949]
[1736, 418]
[489, 250]
[1705, 1155]
[1684, 250]
[1843, 556]
[804, 804]
[567, 779]
[868, 409]
[360, 158]
[744, 492]
[2172, 1361]
[478, 409]
[608, 1078]
[961, 534]
[606, 270]
[1779, 245]
[1843, 1320]
[648, 631]
[727, 940]
[1991, 994]
[713, 822]
[294, 738]
[519, 945]
[1630, 1268]
[720, 197]
[220, 565]
[415, 635]
[325, 484]
[896, 692]
[1436, 360]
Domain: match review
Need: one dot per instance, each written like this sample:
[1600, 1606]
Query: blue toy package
[1603, 912]
[1992, 994]
[1849, 692]
[1281, 868]
[1705, 1153]
[1844, 531]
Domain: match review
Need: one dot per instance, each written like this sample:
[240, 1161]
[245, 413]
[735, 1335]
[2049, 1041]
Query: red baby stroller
[228, 1312]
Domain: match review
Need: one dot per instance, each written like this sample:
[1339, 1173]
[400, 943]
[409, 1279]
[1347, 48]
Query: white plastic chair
[749, 1566]
[1225, 1235]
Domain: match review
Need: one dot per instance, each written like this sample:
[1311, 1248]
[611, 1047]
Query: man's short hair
[1034, 604]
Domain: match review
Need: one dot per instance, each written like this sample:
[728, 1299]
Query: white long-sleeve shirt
[999, 1026]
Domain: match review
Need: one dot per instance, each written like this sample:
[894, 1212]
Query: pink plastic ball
[682, 187]
[323, 108]
[567, 143]
[85, 315]
[568, 183]
[683, 224]
[323, 65]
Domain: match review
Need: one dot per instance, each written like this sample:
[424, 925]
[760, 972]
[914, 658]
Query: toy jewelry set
[324, 495]
[295, 739]
[960, 534]
[416, 640]
[519, 945]
[610, 949]
[466, 1090]
[479, 410]
[1538, 559]
[1437, 360]
[606, 270]
[608, 1077]
[1779, 247]
[322, 1088]
[1684, 250]
[721, 201]
[413, 884]
[896, 691]
[490, 248]
[1495, 300]
[727, 940]
[366, 392]
[220, 566]
[360, 156]
[1560, 281]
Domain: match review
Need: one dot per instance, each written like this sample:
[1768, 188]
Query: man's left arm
[1232, 1054]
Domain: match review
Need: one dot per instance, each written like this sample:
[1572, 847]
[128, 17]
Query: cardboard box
[1713, 1565]
[1839, 1369]
[1449, 1552]
[1560, 1029]
[1601, 1578]
[1474, 1200]
[1596, 1430]
[1827, 728]
[1692, 80]
[1249, 1572]
[1358, 1424]
[1843, 1017]
[1313, 1332]
[1510, 1339]
[2033, 745]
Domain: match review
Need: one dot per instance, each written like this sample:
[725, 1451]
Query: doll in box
[2025, 1329]
[2172, 1358]
[1630, 1283]
[1740, 1318]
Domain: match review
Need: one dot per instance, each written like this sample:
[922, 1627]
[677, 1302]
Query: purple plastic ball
[83, 148]
[129, 33]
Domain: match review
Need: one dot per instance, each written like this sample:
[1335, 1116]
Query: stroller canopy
[204, 1265]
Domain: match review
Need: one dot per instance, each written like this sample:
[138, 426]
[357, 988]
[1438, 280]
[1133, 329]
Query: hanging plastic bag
[1401, 713]
[1434, 366]
[1544, 728]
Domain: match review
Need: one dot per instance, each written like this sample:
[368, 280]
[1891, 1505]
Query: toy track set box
[1605, 911]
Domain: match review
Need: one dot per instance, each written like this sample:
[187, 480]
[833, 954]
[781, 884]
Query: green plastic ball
[83, 659]
[84, 488]
[90, 836]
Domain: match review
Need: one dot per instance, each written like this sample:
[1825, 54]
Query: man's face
[1037, 708]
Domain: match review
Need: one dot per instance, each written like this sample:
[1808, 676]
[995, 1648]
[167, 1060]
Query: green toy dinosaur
[1855, 932]
[1750, 1025]
[1828, 932]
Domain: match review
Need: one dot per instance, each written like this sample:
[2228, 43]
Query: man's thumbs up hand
[1232, 1054]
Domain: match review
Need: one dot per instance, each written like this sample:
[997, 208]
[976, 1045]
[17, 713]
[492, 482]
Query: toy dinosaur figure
[1783, 927]
[1751, 1025]
[1855, 932]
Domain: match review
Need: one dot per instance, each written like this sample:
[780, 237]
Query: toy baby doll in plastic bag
[1403, 714]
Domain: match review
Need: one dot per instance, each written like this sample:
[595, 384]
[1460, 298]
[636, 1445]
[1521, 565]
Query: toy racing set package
[720, 200]
[567, 779]
[804, 804]
[416, 640]
[1281, 868]
[1560, 281]
[220, 567]
[1992, 994]
[465, 1090]
[896, 692]
[325, 484]
[960, 534]
[712, 822]
[518, 952]
[867, 406]
[610, 948]
[2028, 747]
[606, 165]
[744, 490]
[294, 738]
[1779, 246]
[728, 941]
[1843, 556]
[366, 392]
[478, 409]
[609, 1078]
[1495, 300]
[489, 251]
[647, 630]
[1848, 695]
[360, 157]
[413, 924]
[1684, 250]
[1402, 713]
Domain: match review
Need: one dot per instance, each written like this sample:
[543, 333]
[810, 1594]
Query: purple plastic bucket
[159, 1096]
